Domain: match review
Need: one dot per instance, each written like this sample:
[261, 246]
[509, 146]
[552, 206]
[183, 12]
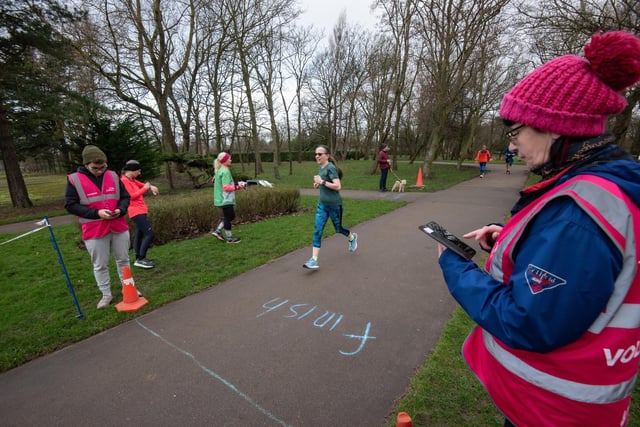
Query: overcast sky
[324, 13]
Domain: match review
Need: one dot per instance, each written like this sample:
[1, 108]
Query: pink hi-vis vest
[588, 382]
[106, 197]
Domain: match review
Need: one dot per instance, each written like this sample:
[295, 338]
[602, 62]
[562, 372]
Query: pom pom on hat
[132, 165]
[91, 153]
[573, 96]
[615, 58]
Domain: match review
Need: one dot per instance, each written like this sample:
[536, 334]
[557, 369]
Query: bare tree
[336, 78]
[489, 79]
[250, 21]
[398, 18]
[268, 69]
[220, 67]
[376, 98]
[351, 75]
[303, 42]
[141, 48]
[453, 30]
[558, 27]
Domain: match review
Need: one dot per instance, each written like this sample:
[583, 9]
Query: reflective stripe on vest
[107, 197]
[100, 197]
[619, 219]
[569, 389]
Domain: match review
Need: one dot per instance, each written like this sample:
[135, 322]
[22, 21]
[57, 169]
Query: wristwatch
[324, 182]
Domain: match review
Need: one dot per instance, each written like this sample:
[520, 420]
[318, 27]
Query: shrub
[186, 215]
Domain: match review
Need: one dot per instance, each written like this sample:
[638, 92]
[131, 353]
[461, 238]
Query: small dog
[399, 186]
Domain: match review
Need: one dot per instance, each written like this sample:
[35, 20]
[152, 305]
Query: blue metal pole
[64, 268]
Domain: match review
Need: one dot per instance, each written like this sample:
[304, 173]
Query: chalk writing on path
[320, 320]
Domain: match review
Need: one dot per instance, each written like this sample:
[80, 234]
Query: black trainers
[233, 240]
[144, 263]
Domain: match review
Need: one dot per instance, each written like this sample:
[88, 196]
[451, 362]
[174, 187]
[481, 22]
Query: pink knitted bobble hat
[572, 96]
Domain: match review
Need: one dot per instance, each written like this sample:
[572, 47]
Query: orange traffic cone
[419, 179]
[404, 420]
[130, 299]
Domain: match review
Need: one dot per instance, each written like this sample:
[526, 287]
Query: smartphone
[440, 234]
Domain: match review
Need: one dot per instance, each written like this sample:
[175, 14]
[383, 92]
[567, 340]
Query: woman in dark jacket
[558, 303]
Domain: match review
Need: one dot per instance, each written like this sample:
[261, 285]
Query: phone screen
[440, 234]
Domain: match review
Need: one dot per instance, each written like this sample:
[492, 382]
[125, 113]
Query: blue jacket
[565, 239]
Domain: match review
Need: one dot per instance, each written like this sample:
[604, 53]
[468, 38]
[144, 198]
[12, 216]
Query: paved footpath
[278, 345]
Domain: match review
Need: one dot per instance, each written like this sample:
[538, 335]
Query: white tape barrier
[44, 221]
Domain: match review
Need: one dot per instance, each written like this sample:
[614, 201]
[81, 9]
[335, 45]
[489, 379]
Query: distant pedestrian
[482, 158]
[100, 200]
[224, 196]
[138, 212]
[385, 164]
[329, 204]
[508, 159]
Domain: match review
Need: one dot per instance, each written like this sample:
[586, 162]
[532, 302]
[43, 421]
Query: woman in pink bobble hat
[558, 301]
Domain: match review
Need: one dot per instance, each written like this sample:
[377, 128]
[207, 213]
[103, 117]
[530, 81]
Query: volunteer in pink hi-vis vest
[558, 304]
[99, 199]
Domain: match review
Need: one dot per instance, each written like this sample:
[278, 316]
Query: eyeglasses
[98, 168]
[512, 133]
[320, 154]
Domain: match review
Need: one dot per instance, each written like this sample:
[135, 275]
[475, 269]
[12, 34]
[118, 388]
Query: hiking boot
[311, 264]
[144, 263]
[218, 235]
[233, 240]
[353, 244]
[104, 302]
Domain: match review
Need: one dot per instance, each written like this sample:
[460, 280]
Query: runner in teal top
[329, 204]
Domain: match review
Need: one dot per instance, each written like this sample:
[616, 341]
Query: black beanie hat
[132, 165]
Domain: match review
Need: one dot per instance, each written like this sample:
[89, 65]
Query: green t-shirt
[221, 197]
[328, 196]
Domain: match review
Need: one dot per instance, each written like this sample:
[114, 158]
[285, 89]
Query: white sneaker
[104, 302]
[311, 264]
[353, 244]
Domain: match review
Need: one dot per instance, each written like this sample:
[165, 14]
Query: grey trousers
[99, 251]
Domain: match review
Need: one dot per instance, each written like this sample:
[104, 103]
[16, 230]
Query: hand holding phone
[441, 235]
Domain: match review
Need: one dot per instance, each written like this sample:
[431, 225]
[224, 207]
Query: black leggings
[142, 236]
[228, 215]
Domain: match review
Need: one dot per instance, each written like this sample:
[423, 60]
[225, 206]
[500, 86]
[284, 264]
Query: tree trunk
[427, 165]
[15, 180]
[255, 139]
